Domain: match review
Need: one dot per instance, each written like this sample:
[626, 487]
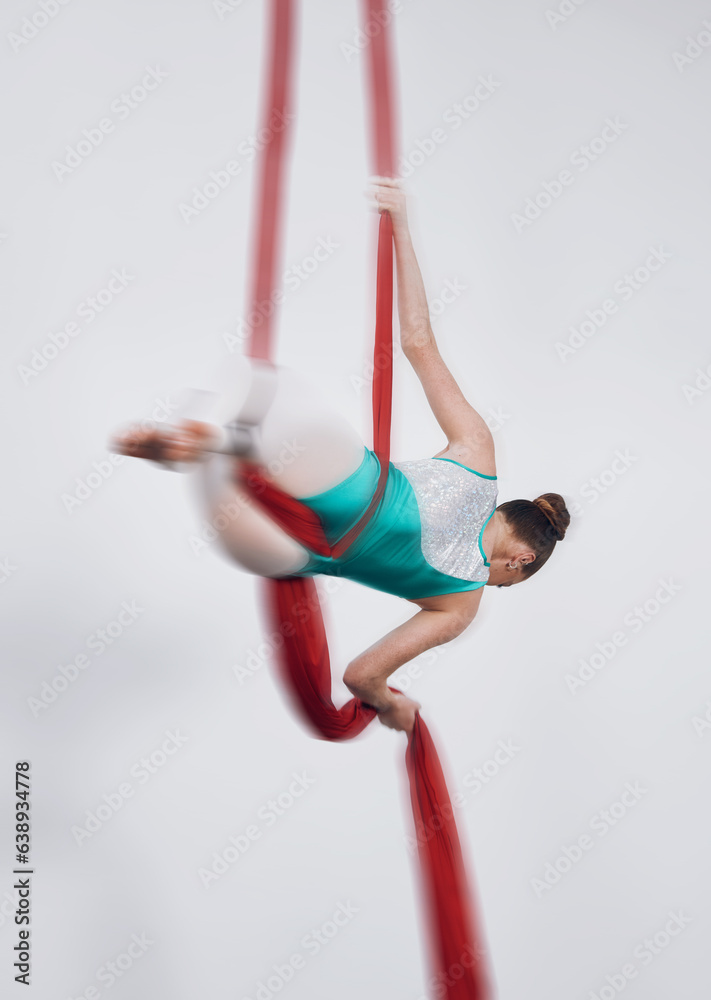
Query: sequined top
[455, 505]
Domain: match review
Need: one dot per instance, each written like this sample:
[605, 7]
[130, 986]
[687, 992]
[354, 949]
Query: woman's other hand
[389, 197]
[402, 714]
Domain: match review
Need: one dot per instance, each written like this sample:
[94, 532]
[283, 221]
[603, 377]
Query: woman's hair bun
[553, 506]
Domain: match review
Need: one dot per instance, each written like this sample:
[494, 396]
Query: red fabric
[456, 957]
[382, 375]
[277, 117]
[294, 517]
[292, 604]
[377, 16]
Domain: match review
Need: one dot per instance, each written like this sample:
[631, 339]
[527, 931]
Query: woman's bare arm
[366, 676]
[465, 429]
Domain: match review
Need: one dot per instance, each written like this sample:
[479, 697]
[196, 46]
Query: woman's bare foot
[185, 443]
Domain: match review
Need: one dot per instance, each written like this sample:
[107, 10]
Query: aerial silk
[456, 955]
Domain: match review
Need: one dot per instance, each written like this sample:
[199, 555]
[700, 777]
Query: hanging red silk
[456, 957]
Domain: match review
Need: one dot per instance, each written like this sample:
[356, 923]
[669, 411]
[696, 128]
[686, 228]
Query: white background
[68, 571]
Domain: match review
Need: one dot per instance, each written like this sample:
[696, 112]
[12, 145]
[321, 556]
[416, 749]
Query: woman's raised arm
[465, 429]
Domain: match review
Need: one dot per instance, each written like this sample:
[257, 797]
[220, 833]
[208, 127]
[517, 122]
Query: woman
[437, 537]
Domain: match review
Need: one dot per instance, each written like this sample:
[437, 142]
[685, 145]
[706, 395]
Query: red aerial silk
[456, 957]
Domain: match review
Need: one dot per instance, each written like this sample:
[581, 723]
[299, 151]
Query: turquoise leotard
[434, 507]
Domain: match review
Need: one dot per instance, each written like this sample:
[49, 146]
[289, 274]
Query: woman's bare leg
[304, 447]
[246, 532]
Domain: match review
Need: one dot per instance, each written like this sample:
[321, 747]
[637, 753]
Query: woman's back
[425, 538]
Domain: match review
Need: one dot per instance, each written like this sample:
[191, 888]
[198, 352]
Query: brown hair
[539, 524]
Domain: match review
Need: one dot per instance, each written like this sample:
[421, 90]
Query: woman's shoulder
[474, 459]
[464, 603]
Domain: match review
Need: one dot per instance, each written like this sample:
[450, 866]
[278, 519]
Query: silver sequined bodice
[454, 505]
